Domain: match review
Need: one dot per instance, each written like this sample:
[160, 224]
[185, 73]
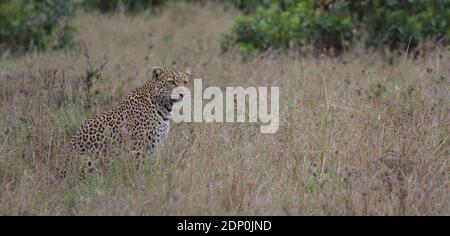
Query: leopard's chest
[161, 131]
[163, 128]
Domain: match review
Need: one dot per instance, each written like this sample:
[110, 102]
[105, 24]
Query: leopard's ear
[188, 72]
[157, 72]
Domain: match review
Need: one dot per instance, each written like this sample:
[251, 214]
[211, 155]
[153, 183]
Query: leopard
[141, 121]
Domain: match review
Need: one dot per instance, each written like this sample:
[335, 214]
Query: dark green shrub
[404, 23]
[36, 24]
[246, 6]
[250, 6]
[332, 24]
[288, 23]
[130, 6]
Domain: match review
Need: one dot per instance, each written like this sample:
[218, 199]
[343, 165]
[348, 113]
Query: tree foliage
[36, 24]
[331, 25]
[129, 6]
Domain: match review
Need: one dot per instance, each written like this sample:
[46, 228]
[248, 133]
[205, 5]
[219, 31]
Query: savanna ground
[357, 136]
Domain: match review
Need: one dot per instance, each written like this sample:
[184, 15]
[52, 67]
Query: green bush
[36, 24]
[246, 6]
[250, 6]
[396, 24]
[288, 23]
[129, 6]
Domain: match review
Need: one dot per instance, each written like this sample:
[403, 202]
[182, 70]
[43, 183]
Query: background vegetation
[332, 24]
[129, 6]
[33, 24]
[329, 25]
[357, 136]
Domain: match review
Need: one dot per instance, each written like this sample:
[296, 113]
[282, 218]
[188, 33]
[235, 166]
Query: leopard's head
[167, 79]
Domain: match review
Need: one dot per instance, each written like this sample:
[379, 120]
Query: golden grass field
[357, 136]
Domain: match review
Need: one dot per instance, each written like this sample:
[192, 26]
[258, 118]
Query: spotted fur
[140, 121]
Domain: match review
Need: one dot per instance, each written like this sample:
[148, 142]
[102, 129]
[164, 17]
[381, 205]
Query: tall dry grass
[357, 136]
